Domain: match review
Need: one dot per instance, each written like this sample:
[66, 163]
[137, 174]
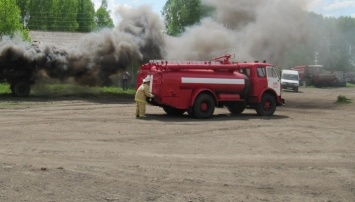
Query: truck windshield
[271, 72]
[290, 77]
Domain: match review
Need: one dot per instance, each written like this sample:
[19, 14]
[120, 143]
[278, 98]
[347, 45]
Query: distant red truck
[317, 76]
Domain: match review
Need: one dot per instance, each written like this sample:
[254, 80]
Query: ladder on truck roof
[214, 61]
[163, 62]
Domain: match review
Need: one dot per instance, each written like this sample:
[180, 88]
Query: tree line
[331, 43]
[53, 15]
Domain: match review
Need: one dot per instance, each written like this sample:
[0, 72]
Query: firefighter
[142, 93]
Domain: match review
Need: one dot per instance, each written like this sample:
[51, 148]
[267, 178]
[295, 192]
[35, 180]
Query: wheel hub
[204, 106]
[267, 105]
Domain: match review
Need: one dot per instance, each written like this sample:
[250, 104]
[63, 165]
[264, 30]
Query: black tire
[267, 106]
[306, 82]
[236, 107]
[203, 106]
[21, 89]
[12, 88]
[295, 89]
[173, 111]
[318, 85]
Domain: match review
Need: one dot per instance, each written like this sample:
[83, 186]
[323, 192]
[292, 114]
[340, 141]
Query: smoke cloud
[252, 30]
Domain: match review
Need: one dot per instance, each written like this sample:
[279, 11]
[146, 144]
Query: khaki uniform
[141, 99]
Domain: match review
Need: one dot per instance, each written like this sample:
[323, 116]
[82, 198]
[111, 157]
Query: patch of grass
[71, 90]
[4, 88]
[342, 99]
[14, 105]
[115, 90]
[351, 85]
[46, 93]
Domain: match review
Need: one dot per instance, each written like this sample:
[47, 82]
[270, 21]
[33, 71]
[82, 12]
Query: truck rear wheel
[236, 107]
[204, 106]
[21, 89]
[173, 111]
[305, 82]
[267, 106]
[12, 88]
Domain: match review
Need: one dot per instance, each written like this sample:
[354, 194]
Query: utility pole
[351, 58]
[316, 57]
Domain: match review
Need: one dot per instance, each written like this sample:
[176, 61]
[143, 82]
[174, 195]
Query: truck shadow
[215, 118]
[128, 99]
[291, 91]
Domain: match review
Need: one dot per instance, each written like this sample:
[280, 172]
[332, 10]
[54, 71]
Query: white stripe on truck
[211, 80]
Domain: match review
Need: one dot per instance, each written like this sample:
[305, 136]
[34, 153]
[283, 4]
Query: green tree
[86, 16]
[40, 14]
[63, 15]
[331, 42]
[10, 19]
[23, 6]
[102, 16]
[346, 26]
[179, 14]
[333, 39]
[54, 15]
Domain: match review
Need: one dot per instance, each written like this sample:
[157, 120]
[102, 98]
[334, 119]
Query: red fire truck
[198, 87]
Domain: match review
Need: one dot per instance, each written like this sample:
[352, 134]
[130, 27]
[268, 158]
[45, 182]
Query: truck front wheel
[267, 106]
[21, 89]
[203, 106]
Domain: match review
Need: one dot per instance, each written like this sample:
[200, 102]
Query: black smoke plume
[96, 57]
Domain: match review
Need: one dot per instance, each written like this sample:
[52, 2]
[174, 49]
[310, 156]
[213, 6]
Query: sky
[328, 8]
[334, 8]
[156, 5]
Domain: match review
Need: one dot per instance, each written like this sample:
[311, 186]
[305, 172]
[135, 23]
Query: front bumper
[289, 85]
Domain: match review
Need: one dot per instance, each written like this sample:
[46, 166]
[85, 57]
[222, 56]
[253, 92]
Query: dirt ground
[92, 149]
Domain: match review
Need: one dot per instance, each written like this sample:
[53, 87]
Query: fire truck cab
[198, 87]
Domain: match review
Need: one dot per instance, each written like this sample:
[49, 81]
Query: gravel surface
[72, 149]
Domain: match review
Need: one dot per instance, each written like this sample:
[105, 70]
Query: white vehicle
[290, 80]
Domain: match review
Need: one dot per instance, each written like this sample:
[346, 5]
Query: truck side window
[246, 72]
[261, 72]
